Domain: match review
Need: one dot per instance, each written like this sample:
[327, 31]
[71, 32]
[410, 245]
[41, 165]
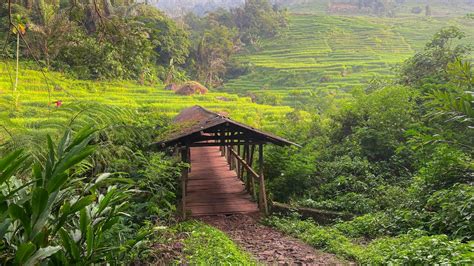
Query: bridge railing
[241, 160]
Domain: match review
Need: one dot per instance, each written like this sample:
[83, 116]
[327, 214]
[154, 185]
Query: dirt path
[268, 245]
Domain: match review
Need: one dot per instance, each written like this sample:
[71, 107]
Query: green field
[439, 8]
[35, 111]
[335, 53]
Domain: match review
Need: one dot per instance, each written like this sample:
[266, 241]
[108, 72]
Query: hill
[334, 53]
[35, 102]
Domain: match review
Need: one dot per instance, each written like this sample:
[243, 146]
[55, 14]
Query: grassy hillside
[32, 107]
[439, 8]
[334, 53]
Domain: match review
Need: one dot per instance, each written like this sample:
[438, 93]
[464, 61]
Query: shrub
[451, 211]
[381, 224]
[413, 249]
[369, 225]
[158, 182]
[446, 167]
[57, 214]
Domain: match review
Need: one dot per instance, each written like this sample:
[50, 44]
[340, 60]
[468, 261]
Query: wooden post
[252, 178]
[189, 157]
[245, 173]
[262, 194]
[238, 162]
[232, 159]
[229, 157]
[222, 142]
[184, 180]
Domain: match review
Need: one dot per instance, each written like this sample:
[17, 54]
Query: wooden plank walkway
[213, 189]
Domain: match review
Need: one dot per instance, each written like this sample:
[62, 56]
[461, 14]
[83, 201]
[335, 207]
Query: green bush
[451, 211]
[158, 182]
[412, 248]
[56, 214]
[380, 224]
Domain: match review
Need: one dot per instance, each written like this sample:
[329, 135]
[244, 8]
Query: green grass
[206, 245]
[32, 110]
[335, 53]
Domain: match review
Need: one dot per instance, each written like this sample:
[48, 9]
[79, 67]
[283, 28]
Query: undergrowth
[205, 245]
[415, 247]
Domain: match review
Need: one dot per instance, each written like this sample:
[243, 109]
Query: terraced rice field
[336, 53]
[34, 104]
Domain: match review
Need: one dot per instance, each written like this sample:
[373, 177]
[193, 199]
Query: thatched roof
[190, 88]
[197, 124]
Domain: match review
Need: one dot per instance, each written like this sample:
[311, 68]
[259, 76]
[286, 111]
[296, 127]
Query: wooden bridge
[221, 178]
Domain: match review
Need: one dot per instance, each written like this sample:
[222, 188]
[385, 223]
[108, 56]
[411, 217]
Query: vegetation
[321, 56]
[207, 245]
[398, 155]
[382, 106]
[414, 247]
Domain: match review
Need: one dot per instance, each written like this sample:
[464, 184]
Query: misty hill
[200, 7]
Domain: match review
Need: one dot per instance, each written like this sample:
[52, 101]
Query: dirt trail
[268, 245]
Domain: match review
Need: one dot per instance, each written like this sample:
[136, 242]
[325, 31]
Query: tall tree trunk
[17, 60]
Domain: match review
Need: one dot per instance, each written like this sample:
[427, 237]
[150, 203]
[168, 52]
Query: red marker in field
[58, 103]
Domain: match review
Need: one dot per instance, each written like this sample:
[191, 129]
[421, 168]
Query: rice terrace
[249, 132]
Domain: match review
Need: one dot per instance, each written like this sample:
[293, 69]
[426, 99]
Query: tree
[258, 19]
[431, 63]
[212, 53]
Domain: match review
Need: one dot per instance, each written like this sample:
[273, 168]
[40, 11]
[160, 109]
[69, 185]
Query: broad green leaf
[4, 225]
[84, 135]
[64, 142]
[82, 203]
[51, 160]
[104, 202]
[39, 202]
[9, 158]
[84, 220]
[69, 244]
[56, 182]
[72, 159]
[18, 213]
[24, 252]
[37, 173]
[90, 240]
[10, 164]
[42, 254]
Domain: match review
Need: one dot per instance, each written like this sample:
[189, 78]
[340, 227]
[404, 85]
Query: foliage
[414, 247]
[158, 180]
[217, 36]
[380, 224]
[399, 155]
[431, 64]
[451, 210]
[207, 245]
[257, 19]
[103, 41]
[57, 215]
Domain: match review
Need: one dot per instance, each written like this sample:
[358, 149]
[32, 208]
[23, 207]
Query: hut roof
[195, 122]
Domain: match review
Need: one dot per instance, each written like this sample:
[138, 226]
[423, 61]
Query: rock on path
[268, 245]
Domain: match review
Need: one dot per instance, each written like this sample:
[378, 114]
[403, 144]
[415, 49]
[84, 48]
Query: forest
[377, 95]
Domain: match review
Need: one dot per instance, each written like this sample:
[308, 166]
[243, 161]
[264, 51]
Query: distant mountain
[200, 7]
